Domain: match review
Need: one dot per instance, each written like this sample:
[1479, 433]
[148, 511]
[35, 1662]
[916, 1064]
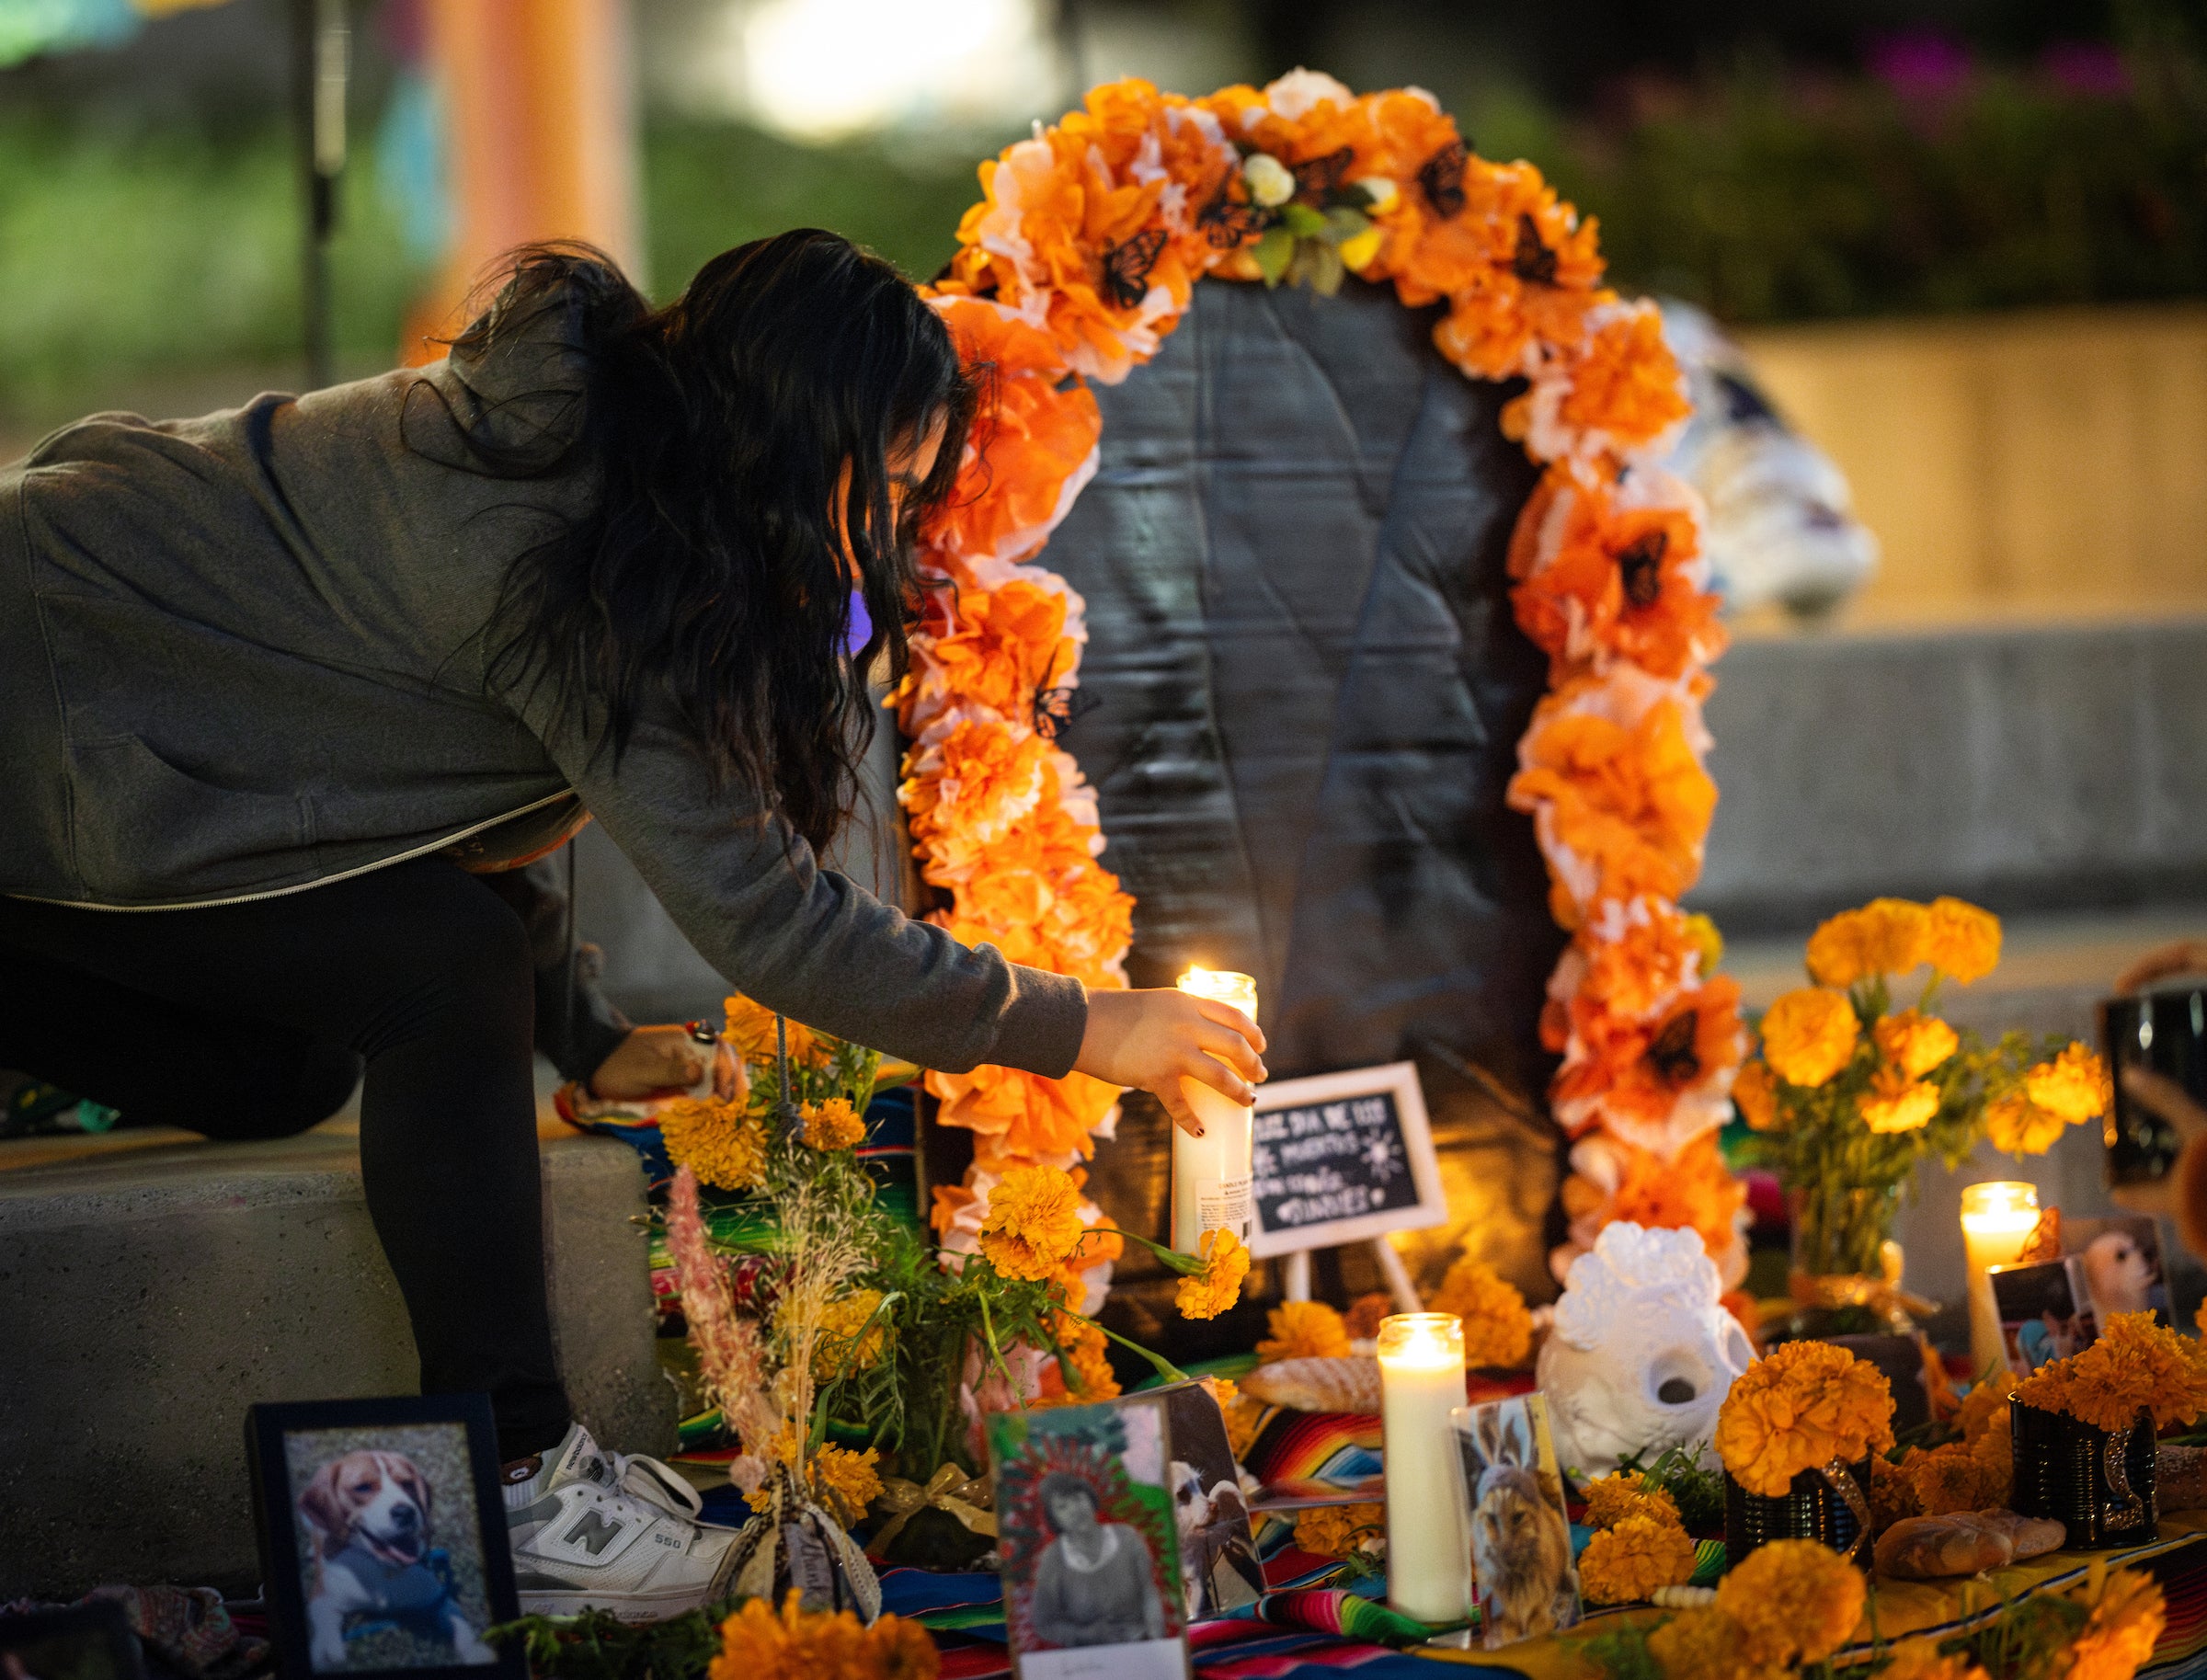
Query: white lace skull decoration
[1642, 1354]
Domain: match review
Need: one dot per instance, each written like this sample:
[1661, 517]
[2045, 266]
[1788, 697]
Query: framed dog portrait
[1090, 1542]
[382, 1537]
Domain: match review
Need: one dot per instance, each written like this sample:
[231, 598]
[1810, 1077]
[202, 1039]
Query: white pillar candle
[1210, 1173]
[1997, 1219]
[1421, 1382]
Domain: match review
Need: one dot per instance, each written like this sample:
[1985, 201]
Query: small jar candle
[1211, 1174]
[1421, 1382]
[1997, 1218]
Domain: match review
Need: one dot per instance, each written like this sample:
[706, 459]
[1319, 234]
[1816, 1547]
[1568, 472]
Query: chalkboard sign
[1341, 1157]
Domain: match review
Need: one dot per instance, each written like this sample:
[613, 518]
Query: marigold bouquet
[1804, 1404]
[1848, 1093]
[2136, 1367]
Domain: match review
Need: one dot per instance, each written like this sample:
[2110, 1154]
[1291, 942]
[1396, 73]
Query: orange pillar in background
[540, 139]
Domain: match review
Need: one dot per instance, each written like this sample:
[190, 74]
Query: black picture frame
[82, 1642]
[288, 1566]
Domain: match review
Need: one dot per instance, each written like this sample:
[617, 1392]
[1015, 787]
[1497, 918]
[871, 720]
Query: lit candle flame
[1998, 1207]
[1222, 986]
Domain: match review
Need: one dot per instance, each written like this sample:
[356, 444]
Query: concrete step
[2033, 770]
[153, 1285]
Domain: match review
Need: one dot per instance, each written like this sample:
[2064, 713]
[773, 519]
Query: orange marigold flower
[1792, 1600]
[2074, 1086]
[830, 1125]
[761, 1643]
[1611, 1499]
[1913, 1043]
[1893, 1494]
[1337, 1531]
[1958, 1477]
[720, 1142]
[1896, 1104]
[1498, 1329]
[1034, 1222]
[1804, 1403]
[1808, 1035]
[2016, 1125]
[1218, 1286]
[1962, 941]
[1304, 1329]
[2124, 1627]
[1625, 1563]
[750, 1033]
[1598, 581]
[2136, 1367]
[1885, 936]
[1755, 1095]
[1703, 1642]
[846, 1481]
[850, 1337]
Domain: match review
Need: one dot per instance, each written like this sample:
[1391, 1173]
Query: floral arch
[1080, 259]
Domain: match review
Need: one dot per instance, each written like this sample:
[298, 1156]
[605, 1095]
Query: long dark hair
[710, 572]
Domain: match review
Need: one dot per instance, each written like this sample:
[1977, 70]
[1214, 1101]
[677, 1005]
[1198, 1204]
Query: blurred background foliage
[1906, 170]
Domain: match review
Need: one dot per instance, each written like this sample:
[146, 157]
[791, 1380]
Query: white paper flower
[1270, 182]
[1382, 191]
[1294, 95]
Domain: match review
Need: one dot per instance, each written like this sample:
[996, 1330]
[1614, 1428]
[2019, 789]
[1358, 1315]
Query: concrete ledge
[2030, 770]
[149, 1295]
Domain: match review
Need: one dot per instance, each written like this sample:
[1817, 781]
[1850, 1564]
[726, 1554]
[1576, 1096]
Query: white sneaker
[608, 1531]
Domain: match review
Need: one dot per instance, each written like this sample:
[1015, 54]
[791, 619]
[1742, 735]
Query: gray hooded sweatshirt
[241, 656]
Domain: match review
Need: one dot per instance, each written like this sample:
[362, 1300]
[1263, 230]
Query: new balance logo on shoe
[593, 1534]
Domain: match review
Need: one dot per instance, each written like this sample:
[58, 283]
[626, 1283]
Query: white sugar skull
[1642, 1354]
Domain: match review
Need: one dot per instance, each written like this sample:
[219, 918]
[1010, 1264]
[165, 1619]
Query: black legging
[252, 1020]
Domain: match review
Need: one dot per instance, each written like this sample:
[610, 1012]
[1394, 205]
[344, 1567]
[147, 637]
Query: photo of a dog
[391, 1562]
[1513, 1502]
[1219, 1566]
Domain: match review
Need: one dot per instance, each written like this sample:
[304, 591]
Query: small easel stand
[1297, 1269]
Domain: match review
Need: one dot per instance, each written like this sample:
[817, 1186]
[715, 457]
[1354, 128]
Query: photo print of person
[1089, 1542]
[2045, 1312]
[1218, 1565]
[1510, 1492]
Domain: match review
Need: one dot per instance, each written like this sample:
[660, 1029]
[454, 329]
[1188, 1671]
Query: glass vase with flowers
[1848, 1093]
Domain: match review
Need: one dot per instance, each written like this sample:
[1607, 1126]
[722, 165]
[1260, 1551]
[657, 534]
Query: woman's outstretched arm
[806, 941]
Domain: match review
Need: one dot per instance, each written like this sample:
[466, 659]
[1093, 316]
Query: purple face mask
[861, 624]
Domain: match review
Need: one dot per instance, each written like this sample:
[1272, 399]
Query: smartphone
[2164, 1031]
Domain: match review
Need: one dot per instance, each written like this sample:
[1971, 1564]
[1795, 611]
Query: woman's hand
[1151, 1040]
[651, 1061]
